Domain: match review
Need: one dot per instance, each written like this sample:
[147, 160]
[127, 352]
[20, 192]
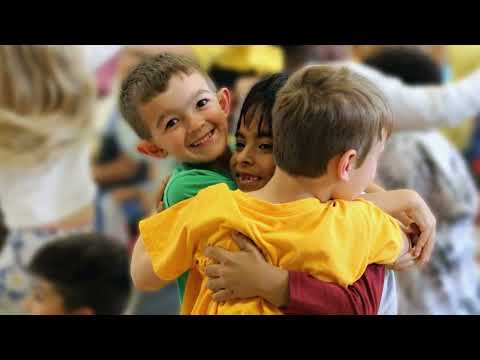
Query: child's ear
[84, 310]
[346, 164]
[225, 99]
[147, 148]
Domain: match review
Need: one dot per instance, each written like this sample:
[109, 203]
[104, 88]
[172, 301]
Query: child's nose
[245, 157]
[195, 123]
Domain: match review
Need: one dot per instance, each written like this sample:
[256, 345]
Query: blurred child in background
[85, 274]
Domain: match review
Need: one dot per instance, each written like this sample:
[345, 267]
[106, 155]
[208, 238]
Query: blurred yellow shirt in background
[463, 60]
[262, 59]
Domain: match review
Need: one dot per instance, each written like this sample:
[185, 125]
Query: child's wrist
[410, 198]
[276, 289]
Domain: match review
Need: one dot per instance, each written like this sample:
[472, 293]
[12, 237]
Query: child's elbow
[139, 280]
[141, 269]
[143, 277]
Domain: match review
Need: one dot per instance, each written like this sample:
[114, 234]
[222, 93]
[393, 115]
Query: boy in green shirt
[174, 107]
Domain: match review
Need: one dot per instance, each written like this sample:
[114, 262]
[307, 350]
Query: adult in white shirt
[46, 187]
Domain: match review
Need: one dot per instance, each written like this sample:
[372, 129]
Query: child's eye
[239, 146]
[202, 103]
[171, 123]
[266, 147]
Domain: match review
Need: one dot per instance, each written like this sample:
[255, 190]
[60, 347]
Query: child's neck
[222, 163]
[283, 188]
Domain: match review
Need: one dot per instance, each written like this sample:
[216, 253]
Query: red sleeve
[309, 295]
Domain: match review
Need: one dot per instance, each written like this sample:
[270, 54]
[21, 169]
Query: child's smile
[245, 180]
[204, 140]
[188, 121]
[252, 162]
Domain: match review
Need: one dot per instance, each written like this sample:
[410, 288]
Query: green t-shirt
[186, 181]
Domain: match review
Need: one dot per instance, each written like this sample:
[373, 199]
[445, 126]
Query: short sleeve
[384, 234]
[169, 239]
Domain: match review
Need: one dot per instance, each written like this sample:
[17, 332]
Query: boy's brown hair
[149, 79]
[322, 112]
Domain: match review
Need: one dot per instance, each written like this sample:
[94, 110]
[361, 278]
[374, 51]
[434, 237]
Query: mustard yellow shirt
[333, 241]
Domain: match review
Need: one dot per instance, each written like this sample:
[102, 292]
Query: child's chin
[214, 152]
[250, 187]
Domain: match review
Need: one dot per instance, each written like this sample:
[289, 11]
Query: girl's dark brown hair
[260, 100]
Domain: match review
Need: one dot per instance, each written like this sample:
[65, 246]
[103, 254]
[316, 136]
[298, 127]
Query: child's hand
[408, 259]
[245, 274]
[404, 262]
[422, 227]
[160, 192]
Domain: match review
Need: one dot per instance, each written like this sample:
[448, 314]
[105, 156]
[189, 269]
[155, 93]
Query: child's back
[353, 235]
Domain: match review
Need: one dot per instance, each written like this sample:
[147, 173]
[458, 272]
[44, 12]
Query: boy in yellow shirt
[329, 130]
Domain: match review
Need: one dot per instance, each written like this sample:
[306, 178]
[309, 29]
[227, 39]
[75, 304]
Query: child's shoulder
[373, 215]
[363, 207]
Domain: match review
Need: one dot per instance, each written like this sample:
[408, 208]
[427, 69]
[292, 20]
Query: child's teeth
[249, 178]
[205, 138]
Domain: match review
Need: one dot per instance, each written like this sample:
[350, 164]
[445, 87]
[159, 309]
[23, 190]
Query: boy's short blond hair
[322, 112]
[149, 79]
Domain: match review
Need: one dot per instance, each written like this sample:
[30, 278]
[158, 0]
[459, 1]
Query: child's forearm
[394, 201]
[141, 270]
[309, 295]
[373, 188]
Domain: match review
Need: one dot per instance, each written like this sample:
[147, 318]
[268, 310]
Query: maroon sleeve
[309, 295]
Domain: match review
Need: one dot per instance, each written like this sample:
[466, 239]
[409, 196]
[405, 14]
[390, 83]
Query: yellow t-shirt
[333, 241]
